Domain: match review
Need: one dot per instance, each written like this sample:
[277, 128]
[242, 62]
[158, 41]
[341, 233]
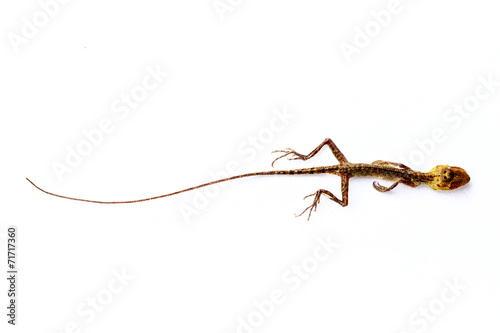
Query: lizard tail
[262, 173]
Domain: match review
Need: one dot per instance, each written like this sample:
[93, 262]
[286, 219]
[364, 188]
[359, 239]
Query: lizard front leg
[330, 195]
[297, 156]
[382, 188]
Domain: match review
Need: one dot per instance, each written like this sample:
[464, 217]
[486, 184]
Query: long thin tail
[263, 173]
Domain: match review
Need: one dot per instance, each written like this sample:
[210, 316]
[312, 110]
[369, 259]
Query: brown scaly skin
[440, 178]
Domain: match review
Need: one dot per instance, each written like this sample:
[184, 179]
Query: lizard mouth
[460, 179]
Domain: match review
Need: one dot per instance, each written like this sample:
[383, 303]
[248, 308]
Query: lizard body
[441, 177]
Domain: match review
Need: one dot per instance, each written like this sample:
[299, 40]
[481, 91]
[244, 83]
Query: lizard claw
[307, 196]
[286, 152]
[311, 207]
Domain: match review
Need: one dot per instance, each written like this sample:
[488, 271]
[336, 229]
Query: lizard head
[447, 178]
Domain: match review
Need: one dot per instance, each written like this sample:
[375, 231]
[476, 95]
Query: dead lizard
[440, 178]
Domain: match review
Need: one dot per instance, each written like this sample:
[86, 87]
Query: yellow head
[447, 178]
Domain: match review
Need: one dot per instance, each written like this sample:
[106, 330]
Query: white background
[229, 72]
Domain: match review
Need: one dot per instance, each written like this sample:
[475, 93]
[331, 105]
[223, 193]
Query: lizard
[440, 178]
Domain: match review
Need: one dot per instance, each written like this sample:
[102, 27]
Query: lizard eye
[448, 175]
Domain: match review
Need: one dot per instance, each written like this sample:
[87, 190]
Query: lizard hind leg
[297, 156]
[329, 195]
